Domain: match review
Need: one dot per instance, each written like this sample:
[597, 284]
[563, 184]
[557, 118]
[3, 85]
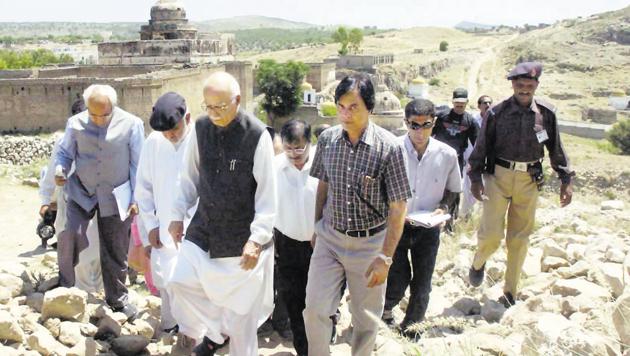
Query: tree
[619, 136]
[443, 46]
[342, 37]
[355, 38]
[281, 84]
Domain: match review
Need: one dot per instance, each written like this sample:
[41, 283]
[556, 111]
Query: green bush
[443, 46]
[434, 82]
[619, 136]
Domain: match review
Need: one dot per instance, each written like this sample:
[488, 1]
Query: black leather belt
[363, 233]
[515, 166]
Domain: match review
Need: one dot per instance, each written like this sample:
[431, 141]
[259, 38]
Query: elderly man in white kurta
[160, 163]
[222, 284]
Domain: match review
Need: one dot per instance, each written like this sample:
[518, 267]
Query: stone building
[168, 38]
[361, 62]
[171, 56]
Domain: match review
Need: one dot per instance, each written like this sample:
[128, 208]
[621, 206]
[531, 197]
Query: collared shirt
[438, 170]
[509, 133]
[265, 200]
[374, 170]
[296, 198]
[104, 157]
[456, 130]
[160, 164]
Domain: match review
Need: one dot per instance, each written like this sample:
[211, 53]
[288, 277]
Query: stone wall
[23, 150]
[320, 74]
[163, 52]
[43, 105]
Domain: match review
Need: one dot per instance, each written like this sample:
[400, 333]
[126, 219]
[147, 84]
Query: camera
[46, 227]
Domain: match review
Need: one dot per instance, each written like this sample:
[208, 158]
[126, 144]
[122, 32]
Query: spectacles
[215, 108]
[296, 151]
[106, 116]
[416, 126]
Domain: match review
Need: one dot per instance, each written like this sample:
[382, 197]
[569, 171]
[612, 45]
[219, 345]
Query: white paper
[426, 218]
[122, 193]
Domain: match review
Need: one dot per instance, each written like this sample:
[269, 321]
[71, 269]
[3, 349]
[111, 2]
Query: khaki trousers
[514, 193]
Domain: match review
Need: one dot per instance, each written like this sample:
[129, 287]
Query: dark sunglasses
[416, 126]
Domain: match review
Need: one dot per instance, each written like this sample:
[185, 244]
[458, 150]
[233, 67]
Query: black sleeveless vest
[221, 224]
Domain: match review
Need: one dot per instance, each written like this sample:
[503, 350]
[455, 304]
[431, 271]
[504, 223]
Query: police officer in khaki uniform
[508, 154]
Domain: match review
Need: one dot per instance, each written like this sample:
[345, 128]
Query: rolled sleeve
[396, 181]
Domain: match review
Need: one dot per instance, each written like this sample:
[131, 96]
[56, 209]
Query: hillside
[248, 22]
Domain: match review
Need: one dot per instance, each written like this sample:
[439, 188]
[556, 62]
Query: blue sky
[383, 13]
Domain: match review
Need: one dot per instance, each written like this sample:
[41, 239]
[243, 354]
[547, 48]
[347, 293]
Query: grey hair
[101, 89]
[234, 87]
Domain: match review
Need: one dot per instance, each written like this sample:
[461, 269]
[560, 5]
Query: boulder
[50, 282]
[30, 323]
[578, 269]
[579, 286]
[615, 255]
[52, 325]
[86, 347]
[612, 205]
[578, 342]
[621, 316]
[575, 252]
[65, 303]
[88, 329]
[10, 330]
[129, 345]
[70, 333]
[531, 266]
[613, 275]
[46, 345]
[143, 328]
[35, 301]
[468, 306]
[492, 311]
[12, 283]
[108, 325]
[550, 263]
[544, 303]
[551, 248]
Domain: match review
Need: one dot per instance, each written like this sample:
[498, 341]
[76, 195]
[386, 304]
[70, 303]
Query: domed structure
[418, 89]
[168, 22]
[386, 102]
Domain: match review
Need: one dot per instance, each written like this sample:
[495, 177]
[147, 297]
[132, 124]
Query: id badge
[542, 136]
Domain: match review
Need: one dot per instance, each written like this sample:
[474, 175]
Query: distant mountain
[466, 26]
[248, 23]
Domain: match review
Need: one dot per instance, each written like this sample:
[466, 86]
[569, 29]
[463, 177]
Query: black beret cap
[168, 110]
[531, 70]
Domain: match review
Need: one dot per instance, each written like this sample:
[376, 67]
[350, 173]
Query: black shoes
[129, 310]
[507, 299]
[476, 276]
[208, 347]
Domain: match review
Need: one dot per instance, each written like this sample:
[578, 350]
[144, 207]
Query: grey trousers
[114, 245]
[338, 258]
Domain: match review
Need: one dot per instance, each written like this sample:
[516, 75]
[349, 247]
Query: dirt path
[489, 54]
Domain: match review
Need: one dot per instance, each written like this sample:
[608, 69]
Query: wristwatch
[388, 260]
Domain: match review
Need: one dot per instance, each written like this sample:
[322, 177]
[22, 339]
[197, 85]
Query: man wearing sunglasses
[509, 155]
[435, 180]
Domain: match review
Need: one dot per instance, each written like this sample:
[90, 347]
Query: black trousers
[423, 245]
[293, 259]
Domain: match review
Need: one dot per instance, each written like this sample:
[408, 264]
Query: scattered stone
[492, 311]
[468, 306]
[5, 295]
[575, 252]
[531, 266]
[30, 323]
[88, 329]
[387, 346]
[143, 328]
[35, 301]
[544, 303]
[48, 284]
[551, 248]
[577, 342]
[613, 274]
[10, 330]
[45, 344]
[495, 271]
[12, 283]
[579, 269]
[612, 205]
[620, 316]
[549, 263]
[70, 333]
[615, 255]
[65, 303]
[52, 325]
[579, 286]
[129, 345]
[107, 325]
[86, 347]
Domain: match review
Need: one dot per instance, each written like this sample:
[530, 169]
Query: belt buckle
[520, 166]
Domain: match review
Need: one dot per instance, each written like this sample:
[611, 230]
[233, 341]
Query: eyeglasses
[219, 109]
[295, 151]
[416, 126]
[106, 116]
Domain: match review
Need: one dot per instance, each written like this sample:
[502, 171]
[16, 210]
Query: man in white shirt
[468, 202]
[160, 163]
[222, 283]
[435, 180]
[294, 224]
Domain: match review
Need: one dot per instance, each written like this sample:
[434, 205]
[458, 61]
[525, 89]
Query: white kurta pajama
[156, 178]
[216, 297]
